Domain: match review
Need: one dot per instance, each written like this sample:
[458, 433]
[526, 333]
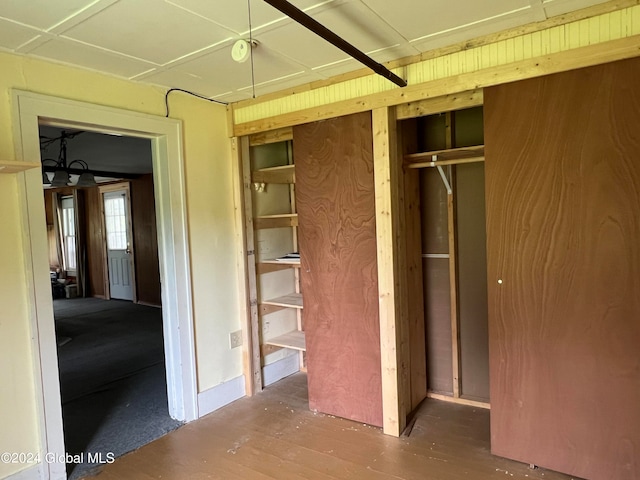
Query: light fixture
[62, 170]
[241, 51]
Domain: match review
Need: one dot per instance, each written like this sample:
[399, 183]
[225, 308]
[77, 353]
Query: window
[68, 234]
[115, 222]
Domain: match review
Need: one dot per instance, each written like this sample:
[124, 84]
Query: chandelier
[62, 170]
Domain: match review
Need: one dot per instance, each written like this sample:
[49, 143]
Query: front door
[119, 254]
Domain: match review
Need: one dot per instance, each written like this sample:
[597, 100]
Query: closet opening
[447, 152]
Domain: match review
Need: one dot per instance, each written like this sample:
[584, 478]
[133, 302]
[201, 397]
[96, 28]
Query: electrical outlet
[235, 339]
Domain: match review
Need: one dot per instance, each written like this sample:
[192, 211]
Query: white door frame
[30, 109]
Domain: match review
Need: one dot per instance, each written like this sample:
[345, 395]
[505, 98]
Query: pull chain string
[253, 78]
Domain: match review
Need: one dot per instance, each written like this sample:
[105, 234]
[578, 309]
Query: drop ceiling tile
[352, 21]
[270, 65]
[74, 53]
[468, 32]
[415, 19]
[217, 68]
[393, 52]
[39, 13]
[13, 35]
[149, 30]
[307, 49]
[559, 7]
[172, 78]
[235, 15]
[381, 56]
[300, 78]
[338, 68]
[212, 74]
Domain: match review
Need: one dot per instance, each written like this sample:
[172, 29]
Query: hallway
[113, 384]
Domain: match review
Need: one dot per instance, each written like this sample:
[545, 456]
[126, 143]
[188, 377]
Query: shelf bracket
[445, 180]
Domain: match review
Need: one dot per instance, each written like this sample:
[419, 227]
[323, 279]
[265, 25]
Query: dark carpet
[112, 378]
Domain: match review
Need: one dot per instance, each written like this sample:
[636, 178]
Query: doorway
[116, 213]
[110, 347]
[448, 154]
[165, 136]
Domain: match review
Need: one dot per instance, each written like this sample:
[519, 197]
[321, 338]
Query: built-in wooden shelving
[294, 340]
[12, 166]
[266, 266]
[276, 221]
[292, 300]
[281, 174]
[258, 191]
[450, 156]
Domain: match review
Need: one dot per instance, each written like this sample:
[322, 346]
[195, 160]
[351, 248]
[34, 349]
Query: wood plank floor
[273, 435]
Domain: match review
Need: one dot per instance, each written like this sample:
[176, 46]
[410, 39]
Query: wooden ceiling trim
[589, 12]
[623, 48]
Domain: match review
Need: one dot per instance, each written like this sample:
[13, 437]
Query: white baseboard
[220, 395]
[31, 473]
[282, 368]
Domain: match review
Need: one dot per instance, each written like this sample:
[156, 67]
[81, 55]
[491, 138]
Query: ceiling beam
[306, 21]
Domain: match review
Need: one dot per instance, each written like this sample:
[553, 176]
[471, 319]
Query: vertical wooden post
[453, 269]
[247, 266]
[296, 271]
[394, 349]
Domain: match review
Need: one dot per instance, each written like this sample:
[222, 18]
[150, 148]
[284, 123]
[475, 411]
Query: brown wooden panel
[145, 240]
[472, 281]
[335, 201]
[563, 196]
[95, 243]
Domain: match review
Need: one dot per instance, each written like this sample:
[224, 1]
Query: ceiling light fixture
[241, 50]
[62, 170]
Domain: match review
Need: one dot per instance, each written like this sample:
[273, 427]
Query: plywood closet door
[563, 221]
[337, 236]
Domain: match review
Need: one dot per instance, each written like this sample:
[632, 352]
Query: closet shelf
[451, 156]
[292, 300]
[281, 174]
[273, 265]
[294, 340]
[12, 166]
[276, 221]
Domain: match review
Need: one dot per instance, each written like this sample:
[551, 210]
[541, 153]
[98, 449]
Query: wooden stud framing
[273, 136]
[459, 401]
[430, 106]
[250, 328]
[394, 344]
[276, 221]
[296, 271]
[283, 174]
[453, 269]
